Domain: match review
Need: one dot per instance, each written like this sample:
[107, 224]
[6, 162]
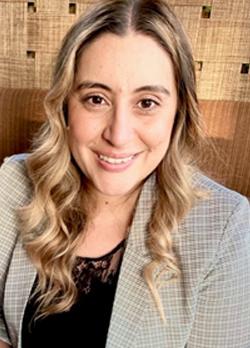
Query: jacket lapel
[21, 277]
[132, 294]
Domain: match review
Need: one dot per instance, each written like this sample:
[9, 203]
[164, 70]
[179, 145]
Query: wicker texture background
[31, 32]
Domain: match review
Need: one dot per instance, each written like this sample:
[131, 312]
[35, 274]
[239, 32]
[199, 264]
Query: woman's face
[121, 111]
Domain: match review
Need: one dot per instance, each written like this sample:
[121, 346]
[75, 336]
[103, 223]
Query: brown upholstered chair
[227, 122]
[21, 113]
[228, 126]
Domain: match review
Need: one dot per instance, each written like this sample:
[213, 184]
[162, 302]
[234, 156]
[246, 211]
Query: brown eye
[96, 99]
[147, 103]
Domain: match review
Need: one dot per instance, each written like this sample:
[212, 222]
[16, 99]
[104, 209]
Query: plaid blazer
[208, 306]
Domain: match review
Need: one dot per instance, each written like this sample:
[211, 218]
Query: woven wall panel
[82, 6]
[17, 72]
[231, 9]
[223, 41]
[223, 81]
[52, 6]
[43, 71]
[13, 36]
[191, 17]
[31, 33]
[191, 2]
[46, 31]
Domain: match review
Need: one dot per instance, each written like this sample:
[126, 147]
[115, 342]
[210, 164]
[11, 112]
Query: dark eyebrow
[153, 88]
[90, 84]
[150, 88]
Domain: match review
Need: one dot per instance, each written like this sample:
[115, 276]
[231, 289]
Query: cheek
[75, 135]
[81, 131]
[159, 135]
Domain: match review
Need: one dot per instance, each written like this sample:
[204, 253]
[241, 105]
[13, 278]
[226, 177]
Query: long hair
[52, 222]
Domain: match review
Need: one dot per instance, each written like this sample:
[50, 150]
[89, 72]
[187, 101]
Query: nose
[119, 128]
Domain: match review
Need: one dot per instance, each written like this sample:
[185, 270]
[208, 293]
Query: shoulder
[217, 225]
[15, 163]
[220, 201]
[221, 208]
[14, 180]
[15, 192]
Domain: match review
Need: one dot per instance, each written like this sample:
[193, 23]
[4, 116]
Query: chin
[116, 192]
[120, 189]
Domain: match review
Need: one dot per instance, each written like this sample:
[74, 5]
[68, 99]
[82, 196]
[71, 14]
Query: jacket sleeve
[223, 307]
[11, 182]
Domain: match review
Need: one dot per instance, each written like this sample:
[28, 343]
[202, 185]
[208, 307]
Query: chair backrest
[228, 127]
[21, 114]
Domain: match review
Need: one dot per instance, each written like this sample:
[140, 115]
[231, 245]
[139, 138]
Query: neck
[112, 213]
[109, 222]
[100, 203]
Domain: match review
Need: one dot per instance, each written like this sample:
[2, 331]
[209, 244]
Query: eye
[147, 104]
[95, 100]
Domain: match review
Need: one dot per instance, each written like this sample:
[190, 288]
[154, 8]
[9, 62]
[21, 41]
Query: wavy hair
[52, 222]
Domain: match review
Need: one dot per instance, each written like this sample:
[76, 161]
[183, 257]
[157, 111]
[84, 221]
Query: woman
[116, 232]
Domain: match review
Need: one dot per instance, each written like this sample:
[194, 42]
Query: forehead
[131, 59]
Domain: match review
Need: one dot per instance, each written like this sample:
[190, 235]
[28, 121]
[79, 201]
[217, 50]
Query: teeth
[115, 160]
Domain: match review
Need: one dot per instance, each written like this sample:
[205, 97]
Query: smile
[115, 160]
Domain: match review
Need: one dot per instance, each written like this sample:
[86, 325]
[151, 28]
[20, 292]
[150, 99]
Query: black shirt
[86, 324]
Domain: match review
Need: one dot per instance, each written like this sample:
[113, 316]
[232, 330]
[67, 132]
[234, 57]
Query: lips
[113, 160]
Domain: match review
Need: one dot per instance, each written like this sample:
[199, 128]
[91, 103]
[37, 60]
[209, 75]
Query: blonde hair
[52, 221]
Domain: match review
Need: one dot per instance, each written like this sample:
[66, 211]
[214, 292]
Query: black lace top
[86, 324]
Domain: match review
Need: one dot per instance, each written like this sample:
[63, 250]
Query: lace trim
[87, 271]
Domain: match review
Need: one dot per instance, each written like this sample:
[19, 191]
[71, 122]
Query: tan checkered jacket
[207, 307]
